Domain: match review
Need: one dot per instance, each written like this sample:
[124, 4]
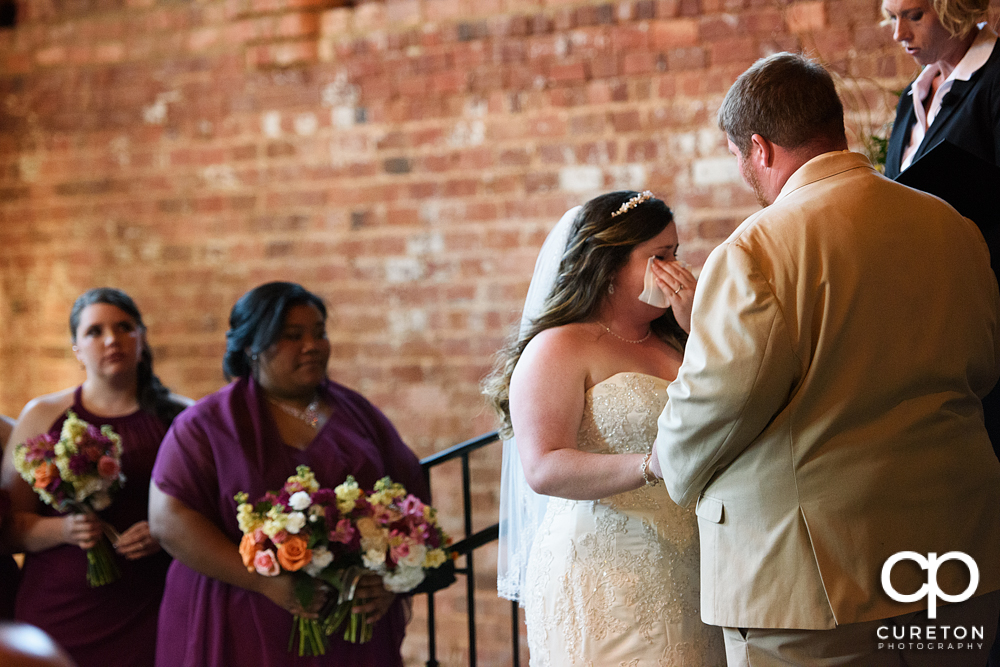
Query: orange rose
[248, 549]
[293, 555]
[44, 474]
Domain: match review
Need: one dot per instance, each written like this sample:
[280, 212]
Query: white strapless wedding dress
[614, 582]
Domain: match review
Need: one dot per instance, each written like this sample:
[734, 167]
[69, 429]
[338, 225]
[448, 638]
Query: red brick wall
[404, 159]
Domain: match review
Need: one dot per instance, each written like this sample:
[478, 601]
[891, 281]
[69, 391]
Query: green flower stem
[312, 637]
[356, 628]
[101, 566]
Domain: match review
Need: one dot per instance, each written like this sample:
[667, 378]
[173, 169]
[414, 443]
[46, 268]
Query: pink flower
[400, 552]
[386, 515]
[266, 563]
[108, 467]
[411, 506]
[280, 536]
[343, 533]
[259, 537]
[40, 447]
[291, 487]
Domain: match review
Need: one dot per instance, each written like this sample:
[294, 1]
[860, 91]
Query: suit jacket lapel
[900, 135]
[951, 103]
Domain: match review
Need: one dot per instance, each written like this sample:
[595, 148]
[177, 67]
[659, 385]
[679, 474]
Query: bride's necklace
[311, 415]
[634, 342]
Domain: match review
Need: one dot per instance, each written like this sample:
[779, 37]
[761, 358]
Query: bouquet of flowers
[77, 472]
[337, 536]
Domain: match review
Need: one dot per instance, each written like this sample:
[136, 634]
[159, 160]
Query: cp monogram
[930, 590]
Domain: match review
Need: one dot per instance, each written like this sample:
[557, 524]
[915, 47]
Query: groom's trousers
[950, 640]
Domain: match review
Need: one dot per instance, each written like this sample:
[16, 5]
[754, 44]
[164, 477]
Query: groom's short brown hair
[786, 98]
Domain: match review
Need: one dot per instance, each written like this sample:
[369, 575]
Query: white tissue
[651, 292]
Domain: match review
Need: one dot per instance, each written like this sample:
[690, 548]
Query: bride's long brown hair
[599, 245]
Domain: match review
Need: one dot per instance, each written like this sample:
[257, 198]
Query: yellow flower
[380, 498]
[305, 479]
[430, 515]
[391, 489]
[347, 495]
[434, 558]
[73, 430]
[20, 459]
[275, 522]
[248, 519]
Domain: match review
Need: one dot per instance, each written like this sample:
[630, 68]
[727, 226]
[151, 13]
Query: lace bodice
[620, 413]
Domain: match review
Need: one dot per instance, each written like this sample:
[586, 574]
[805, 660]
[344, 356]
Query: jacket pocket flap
[709, 509]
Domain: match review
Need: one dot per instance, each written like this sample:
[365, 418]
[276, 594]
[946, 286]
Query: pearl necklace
[311, 415]
[634, 342]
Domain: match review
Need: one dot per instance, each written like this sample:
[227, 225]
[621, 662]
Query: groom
[827, 414]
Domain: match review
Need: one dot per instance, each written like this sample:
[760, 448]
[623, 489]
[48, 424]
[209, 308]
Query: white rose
[299, 500]
[374, 560]
[321, 558]
[403, 579]
[296, 520]
[416, 556]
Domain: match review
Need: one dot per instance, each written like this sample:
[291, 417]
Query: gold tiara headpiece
[645, 195]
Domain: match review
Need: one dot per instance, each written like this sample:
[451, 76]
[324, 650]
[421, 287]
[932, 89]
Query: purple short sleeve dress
[113, 624]
[227, 443]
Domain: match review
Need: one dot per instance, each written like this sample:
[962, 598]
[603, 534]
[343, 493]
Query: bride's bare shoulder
[568, 338]
[567, 347]
[575, 332]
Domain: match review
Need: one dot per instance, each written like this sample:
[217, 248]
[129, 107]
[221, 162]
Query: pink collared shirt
[975, 57]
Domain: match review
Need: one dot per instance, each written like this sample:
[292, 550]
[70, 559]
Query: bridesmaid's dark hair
[598, 247]
[256, 320]
[153, 396]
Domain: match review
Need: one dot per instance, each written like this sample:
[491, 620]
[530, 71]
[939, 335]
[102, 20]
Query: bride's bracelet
[644, 468]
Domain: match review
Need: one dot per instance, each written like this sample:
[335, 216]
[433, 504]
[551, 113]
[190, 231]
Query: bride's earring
[611, 288]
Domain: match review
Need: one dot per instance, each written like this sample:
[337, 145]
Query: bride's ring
[678, 290]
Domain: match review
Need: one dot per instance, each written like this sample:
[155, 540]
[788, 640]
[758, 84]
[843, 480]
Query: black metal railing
[466, 547]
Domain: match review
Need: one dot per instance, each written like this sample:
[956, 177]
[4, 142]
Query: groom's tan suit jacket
[827, 414]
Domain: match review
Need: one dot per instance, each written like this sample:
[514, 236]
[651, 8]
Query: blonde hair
[958, 17]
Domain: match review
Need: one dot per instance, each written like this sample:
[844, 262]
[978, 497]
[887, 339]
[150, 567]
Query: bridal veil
[521, 509]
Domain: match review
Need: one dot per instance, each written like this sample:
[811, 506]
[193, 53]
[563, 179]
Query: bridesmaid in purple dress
[10, 574]
[280, 412]
[114, 624]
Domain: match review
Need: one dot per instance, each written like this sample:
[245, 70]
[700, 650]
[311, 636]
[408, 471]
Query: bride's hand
[677, 284]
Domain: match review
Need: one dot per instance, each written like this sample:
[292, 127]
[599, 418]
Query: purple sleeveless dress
[112, 625]
[226, 443]
[10, 574]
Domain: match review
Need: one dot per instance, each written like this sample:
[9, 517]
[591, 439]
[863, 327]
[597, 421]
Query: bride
[604, 563]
